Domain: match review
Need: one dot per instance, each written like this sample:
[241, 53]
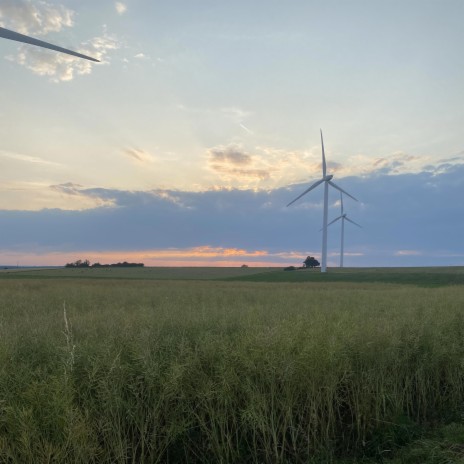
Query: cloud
[60, 67]
[141, 156]
[396, 164]
[27, 158]
[209, 117]
[238, 116]
[121, 8]
[232, 162]
[38, 18]
[407, 253]
[229, 155]
[408, 219]
[77, 190]
[121, 198]
[246, 129]
[207, 251]
[34, 17]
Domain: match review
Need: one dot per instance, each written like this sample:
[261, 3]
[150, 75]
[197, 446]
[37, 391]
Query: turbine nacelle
[327, 178]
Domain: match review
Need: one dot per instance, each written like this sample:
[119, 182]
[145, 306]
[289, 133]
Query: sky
[201, 123]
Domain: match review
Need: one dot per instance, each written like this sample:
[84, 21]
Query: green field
[428, 277]
[151, 273]
[192, 365]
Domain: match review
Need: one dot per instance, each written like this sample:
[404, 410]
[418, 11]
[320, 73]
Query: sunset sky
[185, 144]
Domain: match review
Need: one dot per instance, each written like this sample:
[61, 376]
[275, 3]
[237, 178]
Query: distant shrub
[290, 268]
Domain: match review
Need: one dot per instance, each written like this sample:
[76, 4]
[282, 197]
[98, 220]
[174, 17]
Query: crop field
[196, 366]
[150, 273]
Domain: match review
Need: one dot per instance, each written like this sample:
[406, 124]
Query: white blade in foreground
[307, 190]
[11, 35]
[341, 190]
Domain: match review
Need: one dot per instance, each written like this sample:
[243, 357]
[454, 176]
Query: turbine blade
[341, 201]
[11, 35]
[324, 166]
[352, 222]
[341, 190]
[306, 191]
[331, 222]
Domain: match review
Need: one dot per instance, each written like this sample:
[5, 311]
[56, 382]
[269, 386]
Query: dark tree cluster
[79, 263]
[309, 263]
[86, 263]
[123, 264]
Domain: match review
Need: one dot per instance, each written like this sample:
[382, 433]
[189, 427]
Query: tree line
[86, 263]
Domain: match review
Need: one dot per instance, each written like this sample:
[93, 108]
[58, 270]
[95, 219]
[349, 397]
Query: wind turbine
[327, 179]
[344, 217]
[11, 35]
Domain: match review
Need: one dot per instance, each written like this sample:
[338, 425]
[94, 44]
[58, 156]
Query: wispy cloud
[233, 163]
[395, 164]
[230, 155]
[28, 158]
[231, 114]
[408, 253]
[97, 199]
[207, 251]
[34, 17]
[121, 8]
[238, 116]
[141, 156]
[101, 197]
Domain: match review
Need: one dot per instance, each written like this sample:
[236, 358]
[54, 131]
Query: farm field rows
[151, 370]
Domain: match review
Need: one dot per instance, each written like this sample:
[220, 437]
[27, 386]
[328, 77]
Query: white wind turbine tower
[344, 217]
[327, 179]
[11, 35]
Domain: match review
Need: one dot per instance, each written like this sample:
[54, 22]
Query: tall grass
[224, 371]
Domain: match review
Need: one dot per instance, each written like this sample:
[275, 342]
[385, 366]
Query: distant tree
[126, 264]
[79, 263]
[86, 263]
[244, 265]
[311, 262]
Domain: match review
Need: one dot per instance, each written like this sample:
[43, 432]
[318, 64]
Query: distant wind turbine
[344, 217]
[327, 179]
[11, 35]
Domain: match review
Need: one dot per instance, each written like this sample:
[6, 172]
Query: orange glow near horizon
[202, 256]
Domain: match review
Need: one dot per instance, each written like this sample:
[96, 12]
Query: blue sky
[202, 122]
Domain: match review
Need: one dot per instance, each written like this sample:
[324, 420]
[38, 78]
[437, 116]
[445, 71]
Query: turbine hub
[329, 177]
